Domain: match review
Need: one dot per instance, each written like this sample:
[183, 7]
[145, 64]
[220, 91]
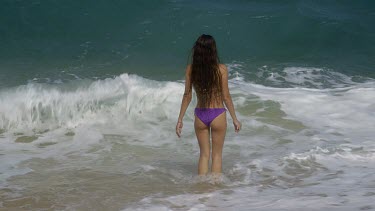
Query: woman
[210, 81]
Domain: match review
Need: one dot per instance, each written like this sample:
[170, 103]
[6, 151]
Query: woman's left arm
[186, 99]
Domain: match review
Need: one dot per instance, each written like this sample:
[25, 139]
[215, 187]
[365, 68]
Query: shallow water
[110, 144]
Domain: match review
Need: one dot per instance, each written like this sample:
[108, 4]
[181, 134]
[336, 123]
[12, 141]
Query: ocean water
[90, 93]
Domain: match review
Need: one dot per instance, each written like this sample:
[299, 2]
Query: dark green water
[50, 40]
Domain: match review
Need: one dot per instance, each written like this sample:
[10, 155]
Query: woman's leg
[218, 130]
[203, 136]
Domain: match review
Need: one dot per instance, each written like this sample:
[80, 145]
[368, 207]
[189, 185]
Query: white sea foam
[307, 77]
[295, 141]
[332, 159]
[42, 107]
[347, 110]
[246, 198]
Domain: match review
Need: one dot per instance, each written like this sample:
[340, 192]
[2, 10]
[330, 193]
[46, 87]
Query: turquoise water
[52, 39]
[90, 93]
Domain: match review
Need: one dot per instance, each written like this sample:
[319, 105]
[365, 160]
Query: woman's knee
[205, 154]
[217, 146]
[217, 154]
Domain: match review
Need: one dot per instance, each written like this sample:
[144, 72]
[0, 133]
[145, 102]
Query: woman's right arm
[227, 98]
[186, 99]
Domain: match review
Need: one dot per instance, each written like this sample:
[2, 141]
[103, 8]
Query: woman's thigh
[218, 131]
[203, 135]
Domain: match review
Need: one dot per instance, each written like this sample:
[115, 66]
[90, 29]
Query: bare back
[217, 96]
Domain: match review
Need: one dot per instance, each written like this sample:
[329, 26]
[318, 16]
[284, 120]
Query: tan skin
[218, 126]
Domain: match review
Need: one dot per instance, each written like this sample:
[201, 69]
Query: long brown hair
[205, 74]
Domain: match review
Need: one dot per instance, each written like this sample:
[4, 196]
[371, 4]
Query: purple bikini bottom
[207, 115]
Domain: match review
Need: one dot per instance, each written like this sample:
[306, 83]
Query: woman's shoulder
[223, 68]
[188, 68]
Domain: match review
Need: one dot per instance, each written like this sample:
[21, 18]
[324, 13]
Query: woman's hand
[237, 125]
[179, 128]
